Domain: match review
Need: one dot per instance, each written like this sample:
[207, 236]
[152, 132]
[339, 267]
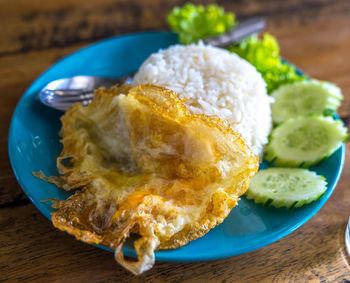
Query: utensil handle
[244, 29]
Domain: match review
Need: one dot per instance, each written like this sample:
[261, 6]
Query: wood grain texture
[315, 35]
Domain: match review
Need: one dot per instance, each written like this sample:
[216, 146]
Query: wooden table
[315, 35]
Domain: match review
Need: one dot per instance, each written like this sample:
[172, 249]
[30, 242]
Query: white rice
[215, 82]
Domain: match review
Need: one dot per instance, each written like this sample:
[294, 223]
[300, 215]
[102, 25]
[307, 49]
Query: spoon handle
[237, 34]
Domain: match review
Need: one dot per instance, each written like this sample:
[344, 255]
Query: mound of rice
[214, 82]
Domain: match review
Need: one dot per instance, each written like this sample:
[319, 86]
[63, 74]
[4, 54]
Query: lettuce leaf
[264, 54]
[195, 22]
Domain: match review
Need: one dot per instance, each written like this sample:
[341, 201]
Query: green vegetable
[286, 187]
[304, 141]
[305, 98]
[264, 54]
[195, 22]
[329, 112]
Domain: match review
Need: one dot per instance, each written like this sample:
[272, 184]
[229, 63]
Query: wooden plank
[39, 24]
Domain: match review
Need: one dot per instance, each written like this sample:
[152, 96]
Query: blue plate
[34, 145]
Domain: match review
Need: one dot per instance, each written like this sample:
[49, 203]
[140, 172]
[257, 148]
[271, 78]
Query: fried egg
[141, 163]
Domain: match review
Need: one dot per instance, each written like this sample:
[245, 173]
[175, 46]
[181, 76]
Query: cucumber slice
[304, 141]
[286, 187]
[304, 98]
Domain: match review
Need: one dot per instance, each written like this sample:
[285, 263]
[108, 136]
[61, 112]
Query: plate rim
[159, 256]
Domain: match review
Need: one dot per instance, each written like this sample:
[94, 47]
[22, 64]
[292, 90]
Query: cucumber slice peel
[304, 141]
[286, 187]
[304, 98]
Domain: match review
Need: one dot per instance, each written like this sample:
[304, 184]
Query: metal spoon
[61, 94]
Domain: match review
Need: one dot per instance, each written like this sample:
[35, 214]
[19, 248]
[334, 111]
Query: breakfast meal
[163, 160]
[142, 163]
